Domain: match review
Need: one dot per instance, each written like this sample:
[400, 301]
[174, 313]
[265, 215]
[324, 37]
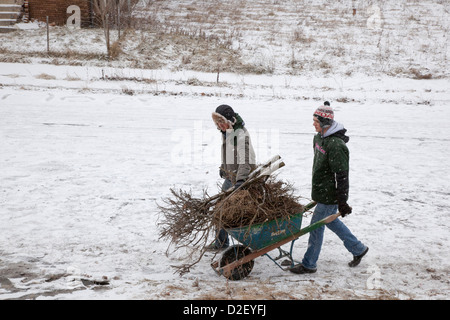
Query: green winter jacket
[331, 156]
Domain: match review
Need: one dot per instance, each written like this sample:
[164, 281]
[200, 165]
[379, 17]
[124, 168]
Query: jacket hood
[238, 123]
[337, 129]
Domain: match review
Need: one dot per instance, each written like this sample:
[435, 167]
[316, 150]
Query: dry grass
[293, 37]
[307, 289]
[254, 291]
[45, 76]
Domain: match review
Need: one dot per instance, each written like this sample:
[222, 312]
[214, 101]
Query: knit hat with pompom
[325, 115]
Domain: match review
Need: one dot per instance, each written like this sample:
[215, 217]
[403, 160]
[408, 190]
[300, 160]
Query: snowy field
[84, 162]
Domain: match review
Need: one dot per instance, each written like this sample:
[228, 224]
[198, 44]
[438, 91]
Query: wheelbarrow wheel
[233, 254]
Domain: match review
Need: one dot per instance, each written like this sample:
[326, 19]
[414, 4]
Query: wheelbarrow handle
[332, 217]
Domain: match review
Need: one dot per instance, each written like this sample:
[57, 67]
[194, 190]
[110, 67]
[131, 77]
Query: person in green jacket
[330, 188]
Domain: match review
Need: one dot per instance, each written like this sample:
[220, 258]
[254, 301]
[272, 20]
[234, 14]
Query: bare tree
[102, 10]
[112, 12]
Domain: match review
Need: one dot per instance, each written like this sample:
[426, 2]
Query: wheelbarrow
[237, 261]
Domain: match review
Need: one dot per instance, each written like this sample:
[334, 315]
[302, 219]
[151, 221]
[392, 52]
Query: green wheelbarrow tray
[259, 239]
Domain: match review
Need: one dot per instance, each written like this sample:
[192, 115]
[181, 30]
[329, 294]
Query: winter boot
[300, 269]
[357, 259]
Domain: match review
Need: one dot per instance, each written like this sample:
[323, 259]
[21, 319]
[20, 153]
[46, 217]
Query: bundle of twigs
[186, 220]
[260, 202]
[188, 223]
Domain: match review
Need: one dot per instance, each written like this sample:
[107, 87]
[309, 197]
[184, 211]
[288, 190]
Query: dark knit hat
[226, 111]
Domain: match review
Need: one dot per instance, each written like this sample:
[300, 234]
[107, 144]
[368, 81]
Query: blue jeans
[222, 237]
[351, 243]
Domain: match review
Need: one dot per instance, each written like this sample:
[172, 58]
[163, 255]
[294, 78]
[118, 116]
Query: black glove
[238, 184]
[342, 193]
[344, 209]
[222, 173]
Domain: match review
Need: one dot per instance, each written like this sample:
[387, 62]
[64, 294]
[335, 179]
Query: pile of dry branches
[259, 203]
[192, 223]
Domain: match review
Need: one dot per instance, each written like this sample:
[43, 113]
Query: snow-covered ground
[84, 163]
[88, 147]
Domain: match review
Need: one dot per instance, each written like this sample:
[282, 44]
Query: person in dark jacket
[330, 188]
[237, 155]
